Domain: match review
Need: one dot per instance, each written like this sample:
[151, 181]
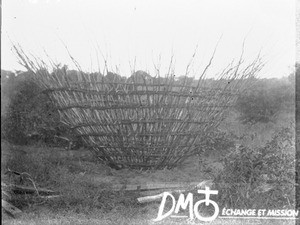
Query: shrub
[263, 177]
[263, 101]
[30, 117]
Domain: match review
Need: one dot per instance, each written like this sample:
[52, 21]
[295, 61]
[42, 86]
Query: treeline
[266, 99]
[28, 115]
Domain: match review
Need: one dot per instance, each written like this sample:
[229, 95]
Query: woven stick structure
[142, 121]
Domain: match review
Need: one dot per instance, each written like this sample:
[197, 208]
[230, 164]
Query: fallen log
[152, 198]
[10, 209]
[17, 189]
[153, 186]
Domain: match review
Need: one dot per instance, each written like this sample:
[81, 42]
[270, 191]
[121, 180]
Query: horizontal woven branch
[129, 122]
[167, 82]
[159, 134]
[114, 91]
[137, 148]
[139, 106]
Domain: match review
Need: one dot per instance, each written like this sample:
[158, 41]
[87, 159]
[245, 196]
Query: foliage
[217, 140]
[265, 99]
[263, 177]
[30, 115]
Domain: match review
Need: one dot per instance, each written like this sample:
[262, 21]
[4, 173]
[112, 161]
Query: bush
[263, 177]
[263, 101]
[31, 116]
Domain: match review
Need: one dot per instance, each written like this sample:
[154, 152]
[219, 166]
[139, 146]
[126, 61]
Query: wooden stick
[10, 209]
[190, 188]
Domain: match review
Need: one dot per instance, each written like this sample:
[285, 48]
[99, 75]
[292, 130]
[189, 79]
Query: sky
[147, 33]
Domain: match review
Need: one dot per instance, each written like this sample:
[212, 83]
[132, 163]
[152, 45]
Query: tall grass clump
[260, 177]
[144, 121]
